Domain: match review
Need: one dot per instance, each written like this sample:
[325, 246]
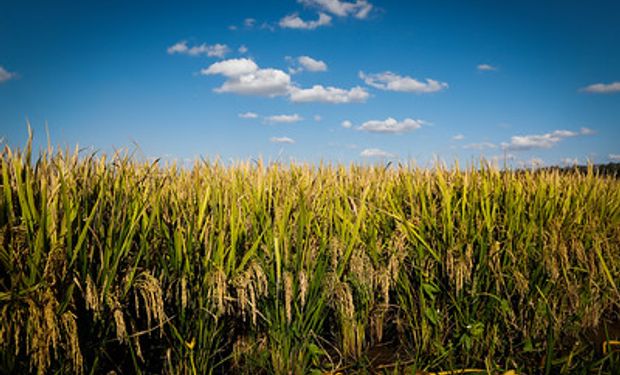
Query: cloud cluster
[293, 21]
[245, 77]
[376, 153]
[602, 88]
[547, 140]
[5, 75]
[216, 50]
[359, 9]
[393, 82]
[390, 125]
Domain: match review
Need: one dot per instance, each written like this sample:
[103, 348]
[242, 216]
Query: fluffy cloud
[312, 65]
[287, 119]
[376, 153]
[248, 115]
[5, 75]
[293, 21]
[319, 93]
[347, 124]
[359, 9]
[390, 125]
[242, 49]
[547, 140]
[486, 68]
[286, 140]
[614, 157]
[216, 50]
[246, 78]
[263, 82]
[458, 137]
[231, 67]
[393, 82]
[602, 88]
[480, 146]
[302, 63]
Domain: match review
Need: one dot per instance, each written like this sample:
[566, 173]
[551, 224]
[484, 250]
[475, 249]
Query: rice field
[111, 264]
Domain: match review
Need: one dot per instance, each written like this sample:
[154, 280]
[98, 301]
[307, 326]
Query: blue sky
[311, 80]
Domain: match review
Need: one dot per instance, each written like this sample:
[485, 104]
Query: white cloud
[244, 77]
[312, 65]
[614, 157]
[486, 68]
[231, 67]
[458, 137]
[319, 93]
[347, 124]
[248, 115]
[602, 88]
[287, 119]
[179, 47]
[232, 27]
[305, 63]
[547, 140]
[216, 50]
[5, 75]
[586, 131]
[390, 125]
[569, 161]
[376, 153]
[480, 146]
[263, 82]
[393, 82]
[318, 118]
[293, 21]
[359, 9]
[249, 22]
[286, 140]
[243, 49]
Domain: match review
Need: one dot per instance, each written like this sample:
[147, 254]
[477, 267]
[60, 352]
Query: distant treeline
[609, 169]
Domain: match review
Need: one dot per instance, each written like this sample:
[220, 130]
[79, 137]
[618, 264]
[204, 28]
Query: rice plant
[108, 263]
